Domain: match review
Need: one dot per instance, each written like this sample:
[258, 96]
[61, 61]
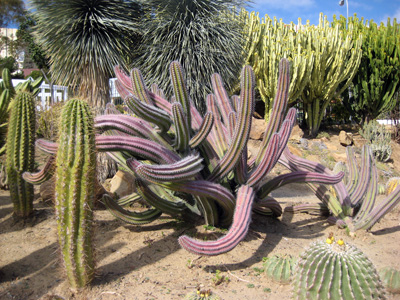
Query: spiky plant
[391, 279]
[185, 164]
[280, 268]
[205, 36]
[74, 191]
[352, 205]
[20, 151]
[85, 39]
[329, 270]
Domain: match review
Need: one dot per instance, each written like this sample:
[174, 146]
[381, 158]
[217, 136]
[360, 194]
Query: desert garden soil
[146, 262]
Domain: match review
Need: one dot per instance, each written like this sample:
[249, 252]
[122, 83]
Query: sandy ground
[146, 262]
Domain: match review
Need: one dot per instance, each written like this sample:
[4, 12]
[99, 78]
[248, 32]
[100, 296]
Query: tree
[378, 77]
[8, 63]
[10, 11]
[84, 40]
[205, 36]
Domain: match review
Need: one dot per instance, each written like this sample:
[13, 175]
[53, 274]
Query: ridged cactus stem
[74, 191]
[21, 152]
[237, 232]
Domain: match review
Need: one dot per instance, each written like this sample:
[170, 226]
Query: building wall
[11, 33]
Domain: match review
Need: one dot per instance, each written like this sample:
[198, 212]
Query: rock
[345, 138]
[304, 143]
[122, 184]
[257, 129]
[339, 157]
[297, 134]
[294, 150]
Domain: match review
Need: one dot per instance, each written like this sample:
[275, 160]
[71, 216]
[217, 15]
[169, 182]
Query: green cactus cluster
[74, 191]
[336, 271]
[391, 279]
[202, 295]
[20, 149]
[280, 268]
[379, 139]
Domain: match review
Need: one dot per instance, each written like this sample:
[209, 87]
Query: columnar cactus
[186, 164]
[336, 271]
[74, 191]
[20, 149]
[280, 268]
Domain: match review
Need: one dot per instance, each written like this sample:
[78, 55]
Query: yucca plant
[205, 36]
[185, 164]
[85, 39]
[352, 205]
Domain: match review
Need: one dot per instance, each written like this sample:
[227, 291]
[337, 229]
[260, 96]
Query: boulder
[345, 138]
[257, 129]
[122, 184]
[297, 134]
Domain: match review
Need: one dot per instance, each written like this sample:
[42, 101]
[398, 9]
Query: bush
[379, 138]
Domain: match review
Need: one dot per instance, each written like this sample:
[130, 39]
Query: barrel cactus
[74, 191]
[202, 295]
[336, 270]
[279, 268]
[20, 149]
[391, 279]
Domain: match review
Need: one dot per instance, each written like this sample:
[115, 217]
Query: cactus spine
[21, 152]
[336, 271]
[74, 191]
[391, 279]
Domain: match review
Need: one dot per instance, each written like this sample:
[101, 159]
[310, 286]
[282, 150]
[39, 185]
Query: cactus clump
[379, 138]
[20, 149]
[391, 279]
[279, 268]
[336, 271]
[74, 191]
[202, 295]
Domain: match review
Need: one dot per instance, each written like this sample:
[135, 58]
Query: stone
[122, 184]
[345, 138]
[257, 130]
[294, 150]
[297, 134]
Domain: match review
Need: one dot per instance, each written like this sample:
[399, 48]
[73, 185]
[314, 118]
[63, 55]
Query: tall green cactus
[336, 59]
[378, 76]
[20, 149]
[268, 41]
[74, 191]
[336, 271]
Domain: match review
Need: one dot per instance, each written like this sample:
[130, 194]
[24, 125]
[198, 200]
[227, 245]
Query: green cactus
[392, 184]
[280, 268]
[74, 191]
[20, 149]
[336, 271]
[202, 295]
[378, 76]
[268, 41]
[379, 139]
[391, 279]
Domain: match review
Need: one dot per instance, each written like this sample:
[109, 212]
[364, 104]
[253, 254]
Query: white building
[11, 33]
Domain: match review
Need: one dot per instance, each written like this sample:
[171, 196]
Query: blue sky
[291, 10]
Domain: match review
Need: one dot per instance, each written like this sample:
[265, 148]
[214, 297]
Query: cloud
[288, 4]
[396, 15]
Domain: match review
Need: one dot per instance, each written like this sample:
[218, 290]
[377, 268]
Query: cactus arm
[130, 125]
[182, 133]
[149, 113]
[47, 146]
[218, 132]
[242, 130]
[7, 82]
[268, 206]
[203, 131]
[139, 87]
[43, 175]
[267, 162]
[137, 146]
[160, 101]
[236, 233]
[152, 198]
[128, 199]
[298, 177]
[123, 78]
[353, 170]
[179, 88]
[135, 218]
[279, 106]
[181, 170]
[364, 177]
[223, 101]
